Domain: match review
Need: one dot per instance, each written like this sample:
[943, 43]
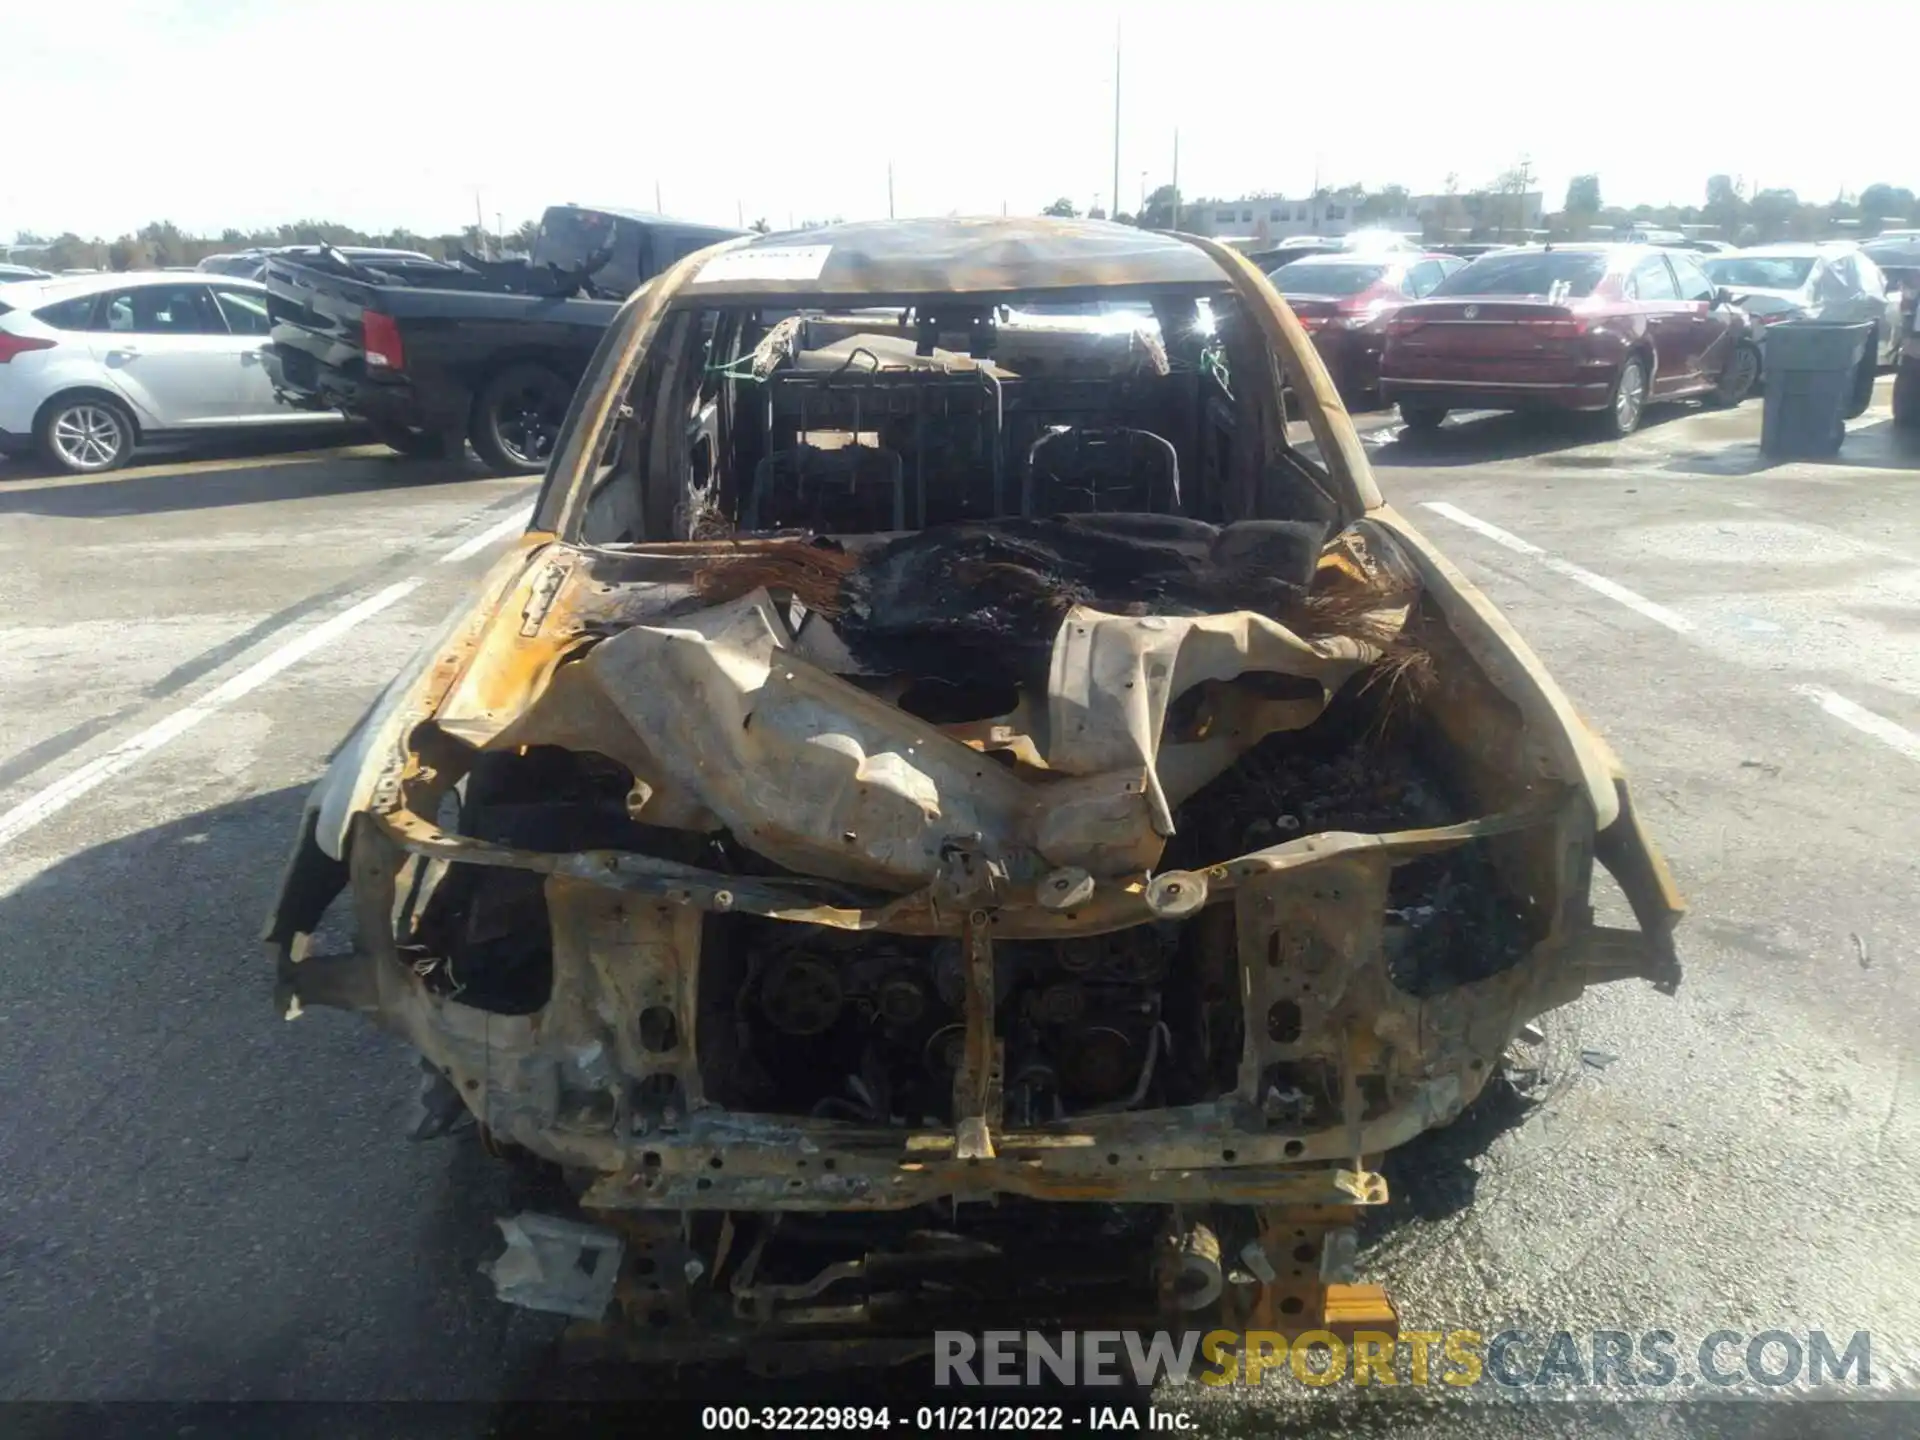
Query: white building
[1267, 218]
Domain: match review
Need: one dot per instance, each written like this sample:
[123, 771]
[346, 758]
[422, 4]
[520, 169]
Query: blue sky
[394, 112]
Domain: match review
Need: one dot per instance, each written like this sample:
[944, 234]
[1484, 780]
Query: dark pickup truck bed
[431, 355]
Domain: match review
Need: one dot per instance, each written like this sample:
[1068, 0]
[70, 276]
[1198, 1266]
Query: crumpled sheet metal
[1113, 676]
[825, 778]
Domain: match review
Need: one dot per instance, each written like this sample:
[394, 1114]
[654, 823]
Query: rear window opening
[1571, 273]
[1305, 278]
[1760, 272]
[876, 421]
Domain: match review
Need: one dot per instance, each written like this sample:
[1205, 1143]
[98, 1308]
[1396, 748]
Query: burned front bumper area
[1337, 1065]
[692, 899]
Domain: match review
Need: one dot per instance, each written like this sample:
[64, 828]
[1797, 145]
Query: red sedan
[1597, 328]
[1345, 302]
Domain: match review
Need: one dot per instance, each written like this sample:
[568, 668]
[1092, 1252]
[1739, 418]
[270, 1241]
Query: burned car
[951, 775]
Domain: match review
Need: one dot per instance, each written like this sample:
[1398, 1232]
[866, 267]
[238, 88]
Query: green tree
[1726, 207]
[70, 252]
[1776, 214]
[1157, 213]
[1382, 203]
[761, 227]
[1583, 195]
[130, 252]
[1063, 208]
[165, 245]
[1881, 201]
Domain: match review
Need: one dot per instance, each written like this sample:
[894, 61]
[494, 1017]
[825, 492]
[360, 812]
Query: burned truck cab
[964, 759]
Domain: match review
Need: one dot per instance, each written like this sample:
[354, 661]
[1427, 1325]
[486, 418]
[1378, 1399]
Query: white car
[94, 366]
[1836, 281]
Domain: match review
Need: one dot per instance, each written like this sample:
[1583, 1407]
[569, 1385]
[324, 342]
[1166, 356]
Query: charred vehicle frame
[930, 751]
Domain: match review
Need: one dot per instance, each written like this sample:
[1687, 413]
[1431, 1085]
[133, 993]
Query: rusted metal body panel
[1052, 824]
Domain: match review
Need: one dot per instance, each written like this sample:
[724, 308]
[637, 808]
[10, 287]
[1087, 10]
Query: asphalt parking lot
[198, 1200]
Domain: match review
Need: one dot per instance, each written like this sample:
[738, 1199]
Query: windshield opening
[1304, 278]
[759, 420]
[1569, 272]
[1760, 272]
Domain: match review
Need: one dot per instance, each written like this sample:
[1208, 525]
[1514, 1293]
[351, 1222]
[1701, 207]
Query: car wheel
[1906, 397]
[85, 435]
[1421, 419]
[1629, 398]
[414, 444]
[1863, 380]
[1740, 376]
[516, 419]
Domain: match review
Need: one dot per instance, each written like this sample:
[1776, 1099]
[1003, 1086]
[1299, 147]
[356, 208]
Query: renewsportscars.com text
[1641, 1361]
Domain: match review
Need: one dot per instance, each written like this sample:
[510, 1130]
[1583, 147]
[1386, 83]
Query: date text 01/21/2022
[940, 1419]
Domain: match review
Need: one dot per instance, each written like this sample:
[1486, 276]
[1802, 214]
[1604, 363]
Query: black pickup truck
[432, 353]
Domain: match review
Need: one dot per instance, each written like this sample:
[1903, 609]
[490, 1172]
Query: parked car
[434, 354]
[1346, 301]
[676, 856]
[1469, 250]
[1296, 247]
[10, 273]
[1601, 329]
[91, 368]
[1906, 383]
[1898, 256]
[1833, 282]
[252, 264]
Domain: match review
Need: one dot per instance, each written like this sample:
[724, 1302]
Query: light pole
[1116, 120]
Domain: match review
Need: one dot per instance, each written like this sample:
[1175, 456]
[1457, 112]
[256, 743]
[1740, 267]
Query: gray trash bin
[1811, 368]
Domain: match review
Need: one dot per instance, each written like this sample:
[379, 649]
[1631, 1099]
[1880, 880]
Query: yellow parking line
[198, 467]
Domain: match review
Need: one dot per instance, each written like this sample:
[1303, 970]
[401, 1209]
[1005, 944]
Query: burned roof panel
[983, 257]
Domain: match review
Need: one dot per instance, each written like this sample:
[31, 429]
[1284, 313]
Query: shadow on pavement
[1479, 437]
[1434, 1175]
[1875, 445]
[223, 445]
[135, 493]
[201, 1201]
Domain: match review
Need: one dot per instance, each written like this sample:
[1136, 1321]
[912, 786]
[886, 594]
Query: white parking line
[1632, 599]
[1866, 721]
[96, 772]
[467, 549]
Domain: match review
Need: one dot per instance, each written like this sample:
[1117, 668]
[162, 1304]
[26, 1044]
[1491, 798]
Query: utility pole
[890, 189]
[479, 225]
[739, 215]
[500, 231]
[1116, 121]
[1176, 177]
[658, 208]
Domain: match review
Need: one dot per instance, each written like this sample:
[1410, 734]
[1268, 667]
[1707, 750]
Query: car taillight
[1404, 325]
[1773, 317]
[380, 337]
[12, 345]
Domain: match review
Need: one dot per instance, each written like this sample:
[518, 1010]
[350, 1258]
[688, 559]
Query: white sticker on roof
[766, 262]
